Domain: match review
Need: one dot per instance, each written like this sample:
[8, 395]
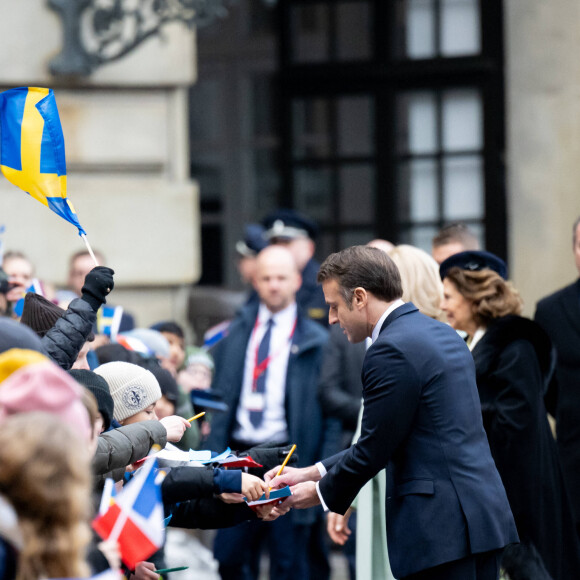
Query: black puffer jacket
[63, 342]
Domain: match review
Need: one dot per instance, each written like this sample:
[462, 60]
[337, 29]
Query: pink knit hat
[45, 387]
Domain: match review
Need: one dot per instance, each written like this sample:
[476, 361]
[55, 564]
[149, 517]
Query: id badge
[256, 401]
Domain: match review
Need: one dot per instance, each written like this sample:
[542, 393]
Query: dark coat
[422, 420]
[340, 386]
[559, 315]
[513, 365]
[63, 342]
[310, 297]
[303, 414]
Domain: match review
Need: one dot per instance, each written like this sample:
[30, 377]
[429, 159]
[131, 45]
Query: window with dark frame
[393, 118]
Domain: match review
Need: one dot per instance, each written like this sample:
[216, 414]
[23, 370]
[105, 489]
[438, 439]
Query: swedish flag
[32, 154]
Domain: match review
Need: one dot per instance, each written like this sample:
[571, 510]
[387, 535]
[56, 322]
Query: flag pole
[84, 237]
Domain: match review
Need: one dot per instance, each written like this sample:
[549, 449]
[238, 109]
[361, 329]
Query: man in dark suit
[447, 512]
[559, 315]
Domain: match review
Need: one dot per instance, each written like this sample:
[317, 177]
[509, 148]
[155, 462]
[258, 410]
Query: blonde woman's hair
[492, 296]
[45, 475]
[420, 278]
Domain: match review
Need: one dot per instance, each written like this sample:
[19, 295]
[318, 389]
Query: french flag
[135, 517]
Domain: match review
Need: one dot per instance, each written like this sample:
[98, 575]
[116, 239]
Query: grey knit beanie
[132, 387]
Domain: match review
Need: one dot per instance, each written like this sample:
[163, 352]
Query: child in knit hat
[135, 392]
[198, 370]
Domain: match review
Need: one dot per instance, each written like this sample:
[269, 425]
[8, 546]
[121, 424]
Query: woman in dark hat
[514, 363]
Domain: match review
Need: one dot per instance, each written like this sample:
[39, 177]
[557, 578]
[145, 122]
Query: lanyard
[259, 369]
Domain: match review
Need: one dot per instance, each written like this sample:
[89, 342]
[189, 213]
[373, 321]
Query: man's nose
[332, 318]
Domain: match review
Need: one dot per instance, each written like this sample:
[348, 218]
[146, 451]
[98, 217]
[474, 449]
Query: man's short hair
[456, 233]
[362, 267]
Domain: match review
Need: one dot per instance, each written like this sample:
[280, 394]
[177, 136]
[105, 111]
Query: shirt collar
[286, 316]
[477, 336]
[379, 324]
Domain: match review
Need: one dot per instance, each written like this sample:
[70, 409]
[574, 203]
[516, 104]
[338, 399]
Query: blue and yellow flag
[32, 155]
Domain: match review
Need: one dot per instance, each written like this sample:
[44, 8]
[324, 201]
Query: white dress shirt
[274, 426]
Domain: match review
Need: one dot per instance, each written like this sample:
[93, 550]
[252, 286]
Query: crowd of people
[436, 428]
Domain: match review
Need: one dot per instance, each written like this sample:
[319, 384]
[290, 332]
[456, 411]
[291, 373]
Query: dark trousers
[294, 550]
[484, 566]
[238, 549]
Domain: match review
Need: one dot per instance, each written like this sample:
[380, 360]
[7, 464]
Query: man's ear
[359, 297]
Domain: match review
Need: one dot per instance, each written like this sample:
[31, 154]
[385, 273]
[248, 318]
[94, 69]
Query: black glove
[268, 457]
[98, 283]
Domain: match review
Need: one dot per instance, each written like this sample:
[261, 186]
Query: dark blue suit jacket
[422, 421]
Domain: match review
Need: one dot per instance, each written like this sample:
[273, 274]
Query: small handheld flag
[32, 154]
[135, 517]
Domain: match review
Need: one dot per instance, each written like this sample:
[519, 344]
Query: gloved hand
[98, 283]
[268, 457]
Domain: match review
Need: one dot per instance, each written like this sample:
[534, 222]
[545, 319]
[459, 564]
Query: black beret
[474, 261]
[289, 224]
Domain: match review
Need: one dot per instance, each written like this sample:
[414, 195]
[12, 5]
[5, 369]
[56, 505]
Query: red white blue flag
[135, 517]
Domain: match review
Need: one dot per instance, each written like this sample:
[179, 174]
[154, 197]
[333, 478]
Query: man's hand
[304, 495]
[253, 487]
[98, 283]
[175, 427]
[337, 527]
[291, 476]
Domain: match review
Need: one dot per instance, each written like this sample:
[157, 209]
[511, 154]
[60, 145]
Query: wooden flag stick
[84, 237]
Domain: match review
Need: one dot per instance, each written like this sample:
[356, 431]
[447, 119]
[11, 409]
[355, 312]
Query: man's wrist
[312, 473]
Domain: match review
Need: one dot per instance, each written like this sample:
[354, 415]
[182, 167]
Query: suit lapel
[397, 313]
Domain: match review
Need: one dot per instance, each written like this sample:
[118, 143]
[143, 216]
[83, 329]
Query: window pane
[263, 101]
[325, 245]
[266, 180]
[460, 28]
[310, 38]
[417, 130]
[462, 120]
[418, 190]
[357, 194]
[355, 238]
[463, 188]
[419, 236]
[353, 30]
[261, 18]
[207, 170]
[355, 126]
[311, 128]
[313, 193]
[420, 29]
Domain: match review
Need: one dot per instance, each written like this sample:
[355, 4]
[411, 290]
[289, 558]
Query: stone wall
[543, 128]
[126, 137]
